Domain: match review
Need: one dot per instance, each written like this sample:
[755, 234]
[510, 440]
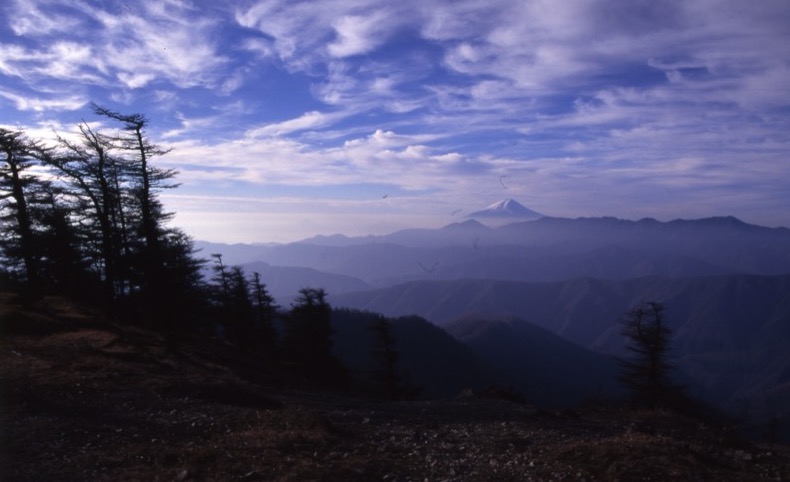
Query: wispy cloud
[40, 18]
[361, 33]
[586, 105]
[38, 104]
[309, 120]
[132, 47]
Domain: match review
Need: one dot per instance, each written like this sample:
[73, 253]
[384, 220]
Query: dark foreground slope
[83, 399]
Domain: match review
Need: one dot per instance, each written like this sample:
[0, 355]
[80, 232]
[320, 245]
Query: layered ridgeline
[501, 357]
[730, 332]
[725, 284]
[544, 249]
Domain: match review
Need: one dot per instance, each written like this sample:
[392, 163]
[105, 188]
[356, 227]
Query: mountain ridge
[730, 331]
[706, 246]
[576, 277]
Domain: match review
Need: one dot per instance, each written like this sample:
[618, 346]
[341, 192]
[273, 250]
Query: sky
[289, 118]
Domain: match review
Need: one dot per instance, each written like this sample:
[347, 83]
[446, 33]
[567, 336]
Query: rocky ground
[83, 399]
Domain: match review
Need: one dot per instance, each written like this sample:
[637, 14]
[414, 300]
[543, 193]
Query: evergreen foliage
[307, 339]
[386, 355]
[21, 195]
[265, 312]
[647, 373]
[84, 217]
[246, 310]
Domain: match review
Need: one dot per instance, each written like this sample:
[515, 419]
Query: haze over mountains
[545, 249]
[725, 284]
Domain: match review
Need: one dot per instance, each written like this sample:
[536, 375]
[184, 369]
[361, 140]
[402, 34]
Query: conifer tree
[16, 219]
[307, 339]
[32, 217]
[265, 311]
[385, 354]
[94, 179]
[145, 181]
[147, 232]
[186, 291]
[87, 213]
[64, 263]
[240, 311]
[647, 372]
[232, 294]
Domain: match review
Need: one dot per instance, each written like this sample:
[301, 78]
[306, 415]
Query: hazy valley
[538, 302]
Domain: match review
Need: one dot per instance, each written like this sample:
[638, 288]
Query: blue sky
[289, 119]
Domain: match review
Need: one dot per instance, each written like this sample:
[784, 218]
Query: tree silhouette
[143, 183]
[231, 298]
[185, 293]
[14, 186]
[265, 311]
[84, 218]
[307, 340]
[144, 240]
[112, 187]
[385, 354]
[240, 310]
[20, 192]
[94, 179]
[647, 373]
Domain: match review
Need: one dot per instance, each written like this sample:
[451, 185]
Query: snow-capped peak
[509, 208]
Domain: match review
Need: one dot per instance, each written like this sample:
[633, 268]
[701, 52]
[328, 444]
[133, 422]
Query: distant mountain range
[505, 291]
[546, 249]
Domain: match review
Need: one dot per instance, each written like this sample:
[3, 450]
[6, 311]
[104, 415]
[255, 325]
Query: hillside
[430, 359]
[85, 399]
[724, 283]
[730, 332]
[550, 370]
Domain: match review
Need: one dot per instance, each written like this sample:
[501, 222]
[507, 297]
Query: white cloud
[192, 125]
[37, 104]
[306, 32]
[622, 97]
[169, 44]
[404, 161]
[263, 48]
[359, 34]
[293, 25]
[456, 20]
[62, 60]
[308, 120]
[154, 41]
[29, 18]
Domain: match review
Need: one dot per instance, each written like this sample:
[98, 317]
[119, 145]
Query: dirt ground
[84, 399]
